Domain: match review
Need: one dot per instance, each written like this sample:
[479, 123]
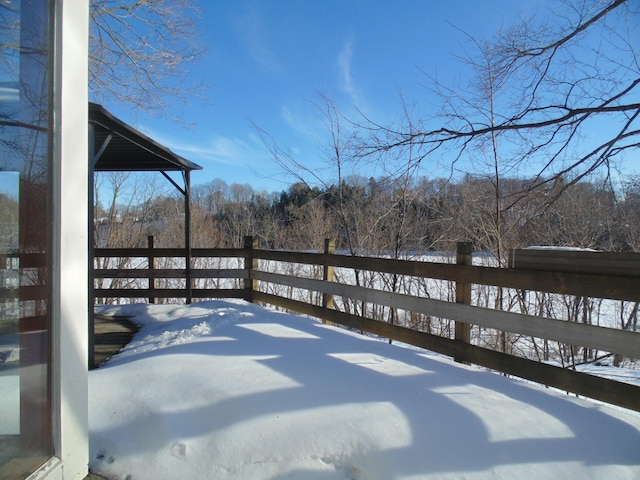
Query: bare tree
[140, 51]
[567, 106]
[629, 214]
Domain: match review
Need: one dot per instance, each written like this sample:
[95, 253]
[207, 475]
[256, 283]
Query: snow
[231, 390]
[560, 249]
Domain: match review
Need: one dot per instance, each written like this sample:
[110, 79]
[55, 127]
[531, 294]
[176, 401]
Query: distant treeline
[390, 217]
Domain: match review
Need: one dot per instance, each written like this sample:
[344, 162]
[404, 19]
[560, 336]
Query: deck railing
[329, 286]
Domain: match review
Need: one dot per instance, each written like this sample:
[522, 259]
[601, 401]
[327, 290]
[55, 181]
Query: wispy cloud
[345, 59]
[303, 119]
[249, 26]
[220, 149]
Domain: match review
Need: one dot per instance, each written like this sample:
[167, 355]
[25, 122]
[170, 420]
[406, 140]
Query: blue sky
[267, 62]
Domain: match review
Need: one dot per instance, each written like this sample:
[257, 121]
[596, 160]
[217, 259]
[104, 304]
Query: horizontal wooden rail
[559, 260]
[28, 292]
[139, 273]
[169, 292]
[586, 285]
[168, 252]
[170, 273]
[610, 391]
[592, 336]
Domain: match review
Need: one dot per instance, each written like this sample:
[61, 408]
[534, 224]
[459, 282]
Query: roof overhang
[119, 147]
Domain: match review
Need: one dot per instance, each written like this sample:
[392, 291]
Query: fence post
[328, 274]
[463, 291]
[151, 265]
[250, 264]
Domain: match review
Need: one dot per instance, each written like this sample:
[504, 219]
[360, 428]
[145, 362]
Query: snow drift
[231, 390]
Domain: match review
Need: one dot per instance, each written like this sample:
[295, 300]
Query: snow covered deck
[230, 390]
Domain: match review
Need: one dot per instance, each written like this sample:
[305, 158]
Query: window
[25, 236]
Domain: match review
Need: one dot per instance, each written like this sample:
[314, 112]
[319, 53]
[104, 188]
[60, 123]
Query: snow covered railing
[263, 276]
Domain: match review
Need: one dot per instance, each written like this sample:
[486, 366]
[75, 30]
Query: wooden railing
[256, 284]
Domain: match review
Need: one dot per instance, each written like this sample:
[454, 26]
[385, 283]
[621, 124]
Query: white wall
[70, 309]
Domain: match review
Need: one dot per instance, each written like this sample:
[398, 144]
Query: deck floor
[93, 476]
[112, 334]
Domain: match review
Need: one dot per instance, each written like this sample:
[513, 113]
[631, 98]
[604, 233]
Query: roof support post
[183, 191]
[187, 232]
[92, 142]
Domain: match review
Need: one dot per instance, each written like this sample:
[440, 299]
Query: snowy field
[230, 390]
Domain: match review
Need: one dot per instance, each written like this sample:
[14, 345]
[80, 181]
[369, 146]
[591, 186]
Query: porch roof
[117, 146]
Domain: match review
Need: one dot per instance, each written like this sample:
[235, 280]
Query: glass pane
[10, 58]
[25, 237]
